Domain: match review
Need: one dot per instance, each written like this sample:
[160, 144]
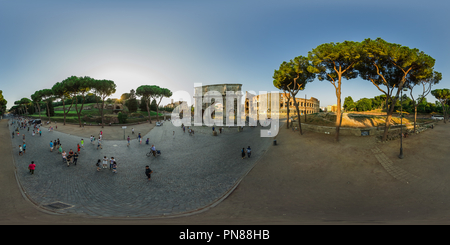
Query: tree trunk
[298, 114]
[157, 109]
[338, 121]
[103, 104]
[289, 99]
[39, 109]
[415, 117]
[338, 112]
[148, 110]
[48, 110]
[444, 111]
[388, 118]
[64, 111]
[81, 108]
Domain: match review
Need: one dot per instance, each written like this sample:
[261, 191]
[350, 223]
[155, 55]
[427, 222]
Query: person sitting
[153, 150]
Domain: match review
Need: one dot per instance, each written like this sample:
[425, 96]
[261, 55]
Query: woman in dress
[105, 162]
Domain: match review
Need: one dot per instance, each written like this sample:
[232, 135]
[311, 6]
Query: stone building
[308, 106]
[216, 95]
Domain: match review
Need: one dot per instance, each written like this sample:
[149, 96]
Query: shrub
[122, 117]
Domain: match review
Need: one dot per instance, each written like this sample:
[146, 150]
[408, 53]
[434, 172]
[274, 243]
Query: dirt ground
[109, 132]
[304, 179]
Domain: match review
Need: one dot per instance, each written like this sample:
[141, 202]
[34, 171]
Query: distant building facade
[174, 104]
[305, 106]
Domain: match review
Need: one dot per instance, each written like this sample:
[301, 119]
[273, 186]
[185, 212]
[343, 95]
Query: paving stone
[191, 173]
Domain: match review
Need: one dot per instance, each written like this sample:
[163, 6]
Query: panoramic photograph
[224, 113]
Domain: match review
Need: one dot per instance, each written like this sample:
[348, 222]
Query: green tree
[147, 92]
[160, 94]
[293, 77]
[37, 98]
[26, 102]
[103, 89]
[153, 105]
[443, 96]
[18, 107]
[426, 83]
[3, 103]
[60, 91]
[332, 62]
[379, 102]
[422, 106]
[47, 96]
[131, 101]
[391, 65]
[122, 117]
[143, 104]
[78, 88]
[349, 105]
[364, 104]
[50, 108]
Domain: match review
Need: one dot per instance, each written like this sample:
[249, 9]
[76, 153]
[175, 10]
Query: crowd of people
[71, 157]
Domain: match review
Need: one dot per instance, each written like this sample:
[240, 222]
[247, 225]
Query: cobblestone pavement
[393, 170]
[192, 174]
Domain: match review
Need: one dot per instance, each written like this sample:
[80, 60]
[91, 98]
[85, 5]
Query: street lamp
[401, 124]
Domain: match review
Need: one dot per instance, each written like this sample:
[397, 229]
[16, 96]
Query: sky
[175, 44]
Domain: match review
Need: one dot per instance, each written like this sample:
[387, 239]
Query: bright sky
[176, 43]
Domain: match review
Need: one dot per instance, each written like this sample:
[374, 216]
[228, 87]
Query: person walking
[111, 162]
[99, 144]
[82, 143]
[63, 154]
[132, 130]
[24, 147]
[98, 165]
[54, 145]
[128, 139]
[243, 153]
[139, 137]
[32, 167]
[12, 135]
[40, 132]
[92, 139]
[20, 150]
[32, 134]
[78, 148]
[70, 157]
[75, 158]
[105, 162]
[148, 172]
[249, 151]
[114, 167]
